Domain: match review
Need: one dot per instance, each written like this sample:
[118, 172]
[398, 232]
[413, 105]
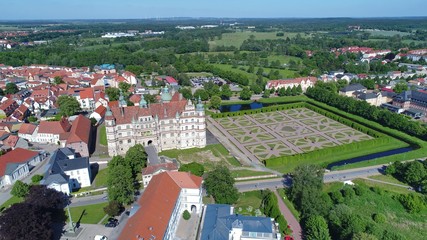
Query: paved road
[83, 201]
[389, 183]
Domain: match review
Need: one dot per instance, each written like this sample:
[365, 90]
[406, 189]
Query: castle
[174, 123]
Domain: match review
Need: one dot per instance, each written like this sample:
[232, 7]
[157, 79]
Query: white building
[304, 82]
[174, 123]
[161, 206]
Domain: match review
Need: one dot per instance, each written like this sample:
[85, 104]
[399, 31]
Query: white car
[100, 237]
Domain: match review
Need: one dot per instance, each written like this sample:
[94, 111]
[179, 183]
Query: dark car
[112, 222]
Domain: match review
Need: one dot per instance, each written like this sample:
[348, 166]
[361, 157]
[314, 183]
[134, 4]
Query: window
[77, 172]
[129, 140]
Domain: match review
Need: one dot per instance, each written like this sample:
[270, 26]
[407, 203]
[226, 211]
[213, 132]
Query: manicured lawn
[10, 202]
[102, 135]
[202, 155]
[248, 202]
[90, 214]
[289, 204]
[387, 178]
[101, 178]
[247, 173]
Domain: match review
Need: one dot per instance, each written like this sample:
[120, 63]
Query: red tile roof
[27, 128]
[80, 131]
[18, 155]
[86, 93]
[11, 141]
[157, 204]
[101, 110]
[54, 127]
[163, 166]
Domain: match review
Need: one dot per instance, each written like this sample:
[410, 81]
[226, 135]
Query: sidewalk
[292, 221]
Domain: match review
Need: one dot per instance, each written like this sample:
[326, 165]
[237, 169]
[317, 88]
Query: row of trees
[322, 93]
[35, 217]
[270, 208]
[413, 173]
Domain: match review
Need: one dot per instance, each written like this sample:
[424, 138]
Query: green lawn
[412, 226]
[102, 135]
[10, 202]
[203, 156]
[247, 173]
[90, 214]
[384, 33]
[282, 58]
[101, 178]
[387, 178]
[236, 39]
[248, 202]
[385, 186]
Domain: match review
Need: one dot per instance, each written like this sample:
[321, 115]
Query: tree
[220, 184]
[120, 182]
[113, 93]
[186, 215]
[136, 158]
[245, 94]
[186, 93]
[20, 189]
[415, 173]
[215, 102]
[36, 178]
[150, 98]
[58, 80]
[226, 92]
[282, 92]
[266, 93]
[316, 228]
[68, 105]
[256, 89]
[413, 203]
[193, 167]
[294, 91]
[124, 86]
[32, 119]
[202, 94]
[1, 92]
[400, 87]
[11, 88]
[113, 208]
[288, 91]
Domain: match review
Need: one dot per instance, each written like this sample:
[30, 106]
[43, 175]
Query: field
[90, 214]
[210, 156]
[383, 33]
[281, 133]
[10, 202]
[382, 200]
[236, 39]
[248, 202]
[102, 135]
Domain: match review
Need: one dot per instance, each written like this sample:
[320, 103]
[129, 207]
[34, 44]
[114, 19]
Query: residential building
[160, 208]
[220, 223]
[174, 123]
[351, 89]
[79, 136]
[304, 82]
[8, 107]
[50, 131]
[373, 98]
[17, 164]
[150, 171]
[28, 131]
[67, 172]
[99, 114]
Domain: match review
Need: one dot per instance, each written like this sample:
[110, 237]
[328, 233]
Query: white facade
[21, 171]
[47, 138]
[65, 187]
[79, 178]
[29, 137]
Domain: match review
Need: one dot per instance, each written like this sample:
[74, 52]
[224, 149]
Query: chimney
[122, 110]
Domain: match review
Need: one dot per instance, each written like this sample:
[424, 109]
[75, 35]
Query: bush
[113, 208]
[186, 215]
[36, 178]
[413, 203]
[379, 218]
[360, 190]
[20, 189]
[348, 192]
[336, 196]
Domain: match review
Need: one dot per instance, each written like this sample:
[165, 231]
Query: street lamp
[71, 224]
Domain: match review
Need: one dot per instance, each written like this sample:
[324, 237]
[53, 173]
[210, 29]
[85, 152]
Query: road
[89, 200]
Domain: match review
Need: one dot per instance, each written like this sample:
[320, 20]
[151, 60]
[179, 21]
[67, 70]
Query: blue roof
[219, 221]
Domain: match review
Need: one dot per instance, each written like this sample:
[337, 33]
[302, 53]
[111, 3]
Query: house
[50, 131]
[412, 99]
[8, 107]
[79, 136]
[304, 82]
[86, 99]
[28, 131]
[67, 172]
[414, 113]
[160, 208]
[13, 141]
[373, 98]
[17, 164]
[220, 223]
[99, 114]
[150, 171]
[130, 77]
[21, 113]
[351, 89]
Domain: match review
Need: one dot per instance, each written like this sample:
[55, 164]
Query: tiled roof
[101, 110]
[80, 131]
[19, 155]
[156, 206]
[54, 127]
[27, 128]
[86, 93]
[163, 166]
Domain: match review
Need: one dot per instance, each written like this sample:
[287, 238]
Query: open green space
[209, 156]
[384, 33]
[387, 178]
[385, 186]
[236, 39]
[10, 202]
[102, 135]
[382, 199]
[100, 179]
[248, 202]
[90, 214]
[247, 173]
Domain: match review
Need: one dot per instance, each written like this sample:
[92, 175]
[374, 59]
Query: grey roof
[219, 221]
[152, 157]
[416, 97]
[353, 87]
[365, 96]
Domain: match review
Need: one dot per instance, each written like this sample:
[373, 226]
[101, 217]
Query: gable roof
[54, 127]
[80, 131]
[157, 204]
[163, 166]
[353, 87]
[17, 156]
[27, 128]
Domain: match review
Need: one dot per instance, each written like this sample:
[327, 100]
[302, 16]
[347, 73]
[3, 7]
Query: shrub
[379, 218]
[411, 202]
[336, 196]
[36, 178]
[186, 215]
[360, 190]
[348, 192]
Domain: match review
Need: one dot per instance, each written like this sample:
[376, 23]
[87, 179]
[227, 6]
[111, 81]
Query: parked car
[100, 237]
[111, 224]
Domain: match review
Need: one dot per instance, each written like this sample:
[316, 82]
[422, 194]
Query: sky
[140, 9]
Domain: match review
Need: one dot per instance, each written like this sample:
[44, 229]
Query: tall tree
[11, 88]
[58, 80]
[120, 182]
[245, 94]
[220, 184]
[226, 92]
[215, 102]
[136, 158]
[113, 93]
[68, 105]
[316, 228]
[186, 93]
[124, 86]
[20, 189]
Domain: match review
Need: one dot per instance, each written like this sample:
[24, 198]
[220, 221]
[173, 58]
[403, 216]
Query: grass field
[101, 178]
[247, 173]
[90, 214]
[385, 186]
[384, 33]
[236, 39]
[199, 74]
[209, 156]
[387, 178]
[102, 135]
[10, 202]
[248, 202]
